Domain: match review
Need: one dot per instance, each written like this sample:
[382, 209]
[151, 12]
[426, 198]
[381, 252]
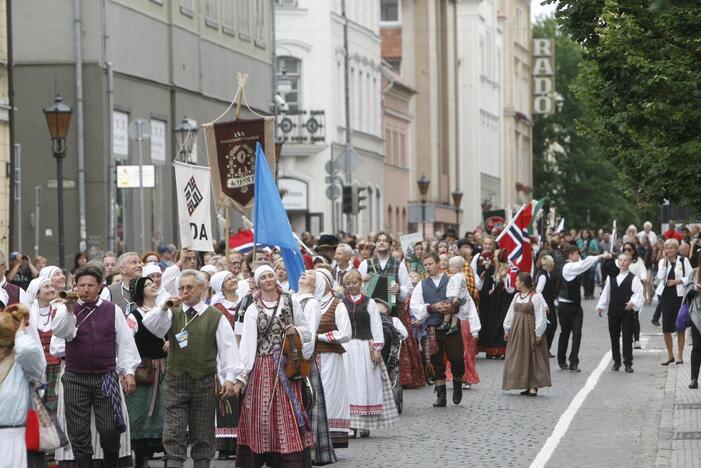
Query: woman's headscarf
[324, 280]
[48, 271]
[260, 270]
[217, 283]
[150, 268]
[34, 286]
[211, 269]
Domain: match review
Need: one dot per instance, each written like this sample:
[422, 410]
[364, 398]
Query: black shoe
[563, 366]
[655, 322]
[575, 368]
[616, 366]
[551, 355]
[440, 397]
[429, 381]
[629, 369]
[457, 391]
[694, 383]
[667, 362]
[443, 326]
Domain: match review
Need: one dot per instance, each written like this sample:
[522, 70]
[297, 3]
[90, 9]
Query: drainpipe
[77, 38]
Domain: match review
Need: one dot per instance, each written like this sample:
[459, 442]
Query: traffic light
[357, 198]
[347, 199]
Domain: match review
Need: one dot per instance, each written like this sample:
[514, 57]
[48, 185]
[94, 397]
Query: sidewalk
[679, 443]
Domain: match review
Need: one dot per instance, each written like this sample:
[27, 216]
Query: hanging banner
[231, 150]
[494, 220]
[194, 212]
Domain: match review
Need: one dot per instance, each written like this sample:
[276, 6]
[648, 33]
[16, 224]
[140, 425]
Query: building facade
[311, 80]
[6, 151]
[170, 59]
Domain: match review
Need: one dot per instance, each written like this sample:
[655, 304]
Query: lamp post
[185, 134]
[58, 116]
[423, 184]
[457, 199]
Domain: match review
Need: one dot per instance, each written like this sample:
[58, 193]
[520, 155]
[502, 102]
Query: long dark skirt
[493, 309]
[323, 452]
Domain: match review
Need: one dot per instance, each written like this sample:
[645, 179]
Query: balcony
[302, 127]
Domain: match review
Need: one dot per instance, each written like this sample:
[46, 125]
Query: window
[389, 11]
[290, 3]
[229, 16]
[289, 69]
[244, 20]
[211, 18]
[260, 23]
[186, 8]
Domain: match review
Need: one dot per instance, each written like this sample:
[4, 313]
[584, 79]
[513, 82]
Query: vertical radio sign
[543, 76]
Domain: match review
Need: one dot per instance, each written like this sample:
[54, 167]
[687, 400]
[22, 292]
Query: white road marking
[566, 418]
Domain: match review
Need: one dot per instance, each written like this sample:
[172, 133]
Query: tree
[640, 91]
[569, 166]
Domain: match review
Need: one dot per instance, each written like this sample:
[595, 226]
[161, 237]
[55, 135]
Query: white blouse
[540, 308]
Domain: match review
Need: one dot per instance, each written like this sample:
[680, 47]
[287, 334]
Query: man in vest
[429, 303]
[97, 339]
[130, 267]
[622, 296]
[569, 309]
[15, 294]
[385, 277]
[199, 336]
[344, 264]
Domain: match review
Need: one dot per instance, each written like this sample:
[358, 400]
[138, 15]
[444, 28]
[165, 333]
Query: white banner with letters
[194, 212]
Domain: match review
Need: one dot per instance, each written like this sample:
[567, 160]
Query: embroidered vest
[94, 348]
[359, 318]
[328, 324]
[432, 295]
[276, 330]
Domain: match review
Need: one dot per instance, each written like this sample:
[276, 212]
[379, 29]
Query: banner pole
[226, 233]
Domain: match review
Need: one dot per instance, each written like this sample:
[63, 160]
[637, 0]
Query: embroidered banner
[231, 150]
[194, 206]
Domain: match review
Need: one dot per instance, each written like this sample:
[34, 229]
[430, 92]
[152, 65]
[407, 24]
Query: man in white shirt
[130, 267]
[569, 309]
[385, 277]
[621, 297]
[647, 232]
[98, 340]
[199, 337]
[343, 256]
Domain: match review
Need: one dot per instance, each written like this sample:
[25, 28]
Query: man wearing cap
[130, 267]
[326, 247]
[15, 293]
[21, 271]
[167, 256]
[200, 339]
[99, 348]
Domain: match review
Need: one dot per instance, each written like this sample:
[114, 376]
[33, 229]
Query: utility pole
[346, 73]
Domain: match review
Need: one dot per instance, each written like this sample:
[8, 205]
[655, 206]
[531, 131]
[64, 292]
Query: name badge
[182, 339]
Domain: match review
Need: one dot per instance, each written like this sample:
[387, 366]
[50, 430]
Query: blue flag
[271, 226]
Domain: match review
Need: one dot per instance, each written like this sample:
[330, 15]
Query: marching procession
[165, 355]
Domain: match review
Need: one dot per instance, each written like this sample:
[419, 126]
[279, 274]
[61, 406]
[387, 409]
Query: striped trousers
[189, 404]
[81, 393]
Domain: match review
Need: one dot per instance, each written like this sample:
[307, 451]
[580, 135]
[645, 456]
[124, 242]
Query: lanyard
[189, 321]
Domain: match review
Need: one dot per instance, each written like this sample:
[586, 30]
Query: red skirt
[274, 431]
[411, 367]
[469, 344]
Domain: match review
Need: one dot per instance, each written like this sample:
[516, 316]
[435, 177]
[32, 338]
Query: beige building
[517, 163]
[5, 149]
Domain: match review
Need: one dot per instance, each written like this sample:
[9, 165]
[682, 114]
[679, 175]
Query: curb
[666, 429]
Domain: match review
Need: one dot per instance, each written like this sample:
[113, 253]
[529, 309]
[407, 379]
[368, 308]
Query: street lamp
[457, 199]
[186, 134]
[58, 116]
[423, 184]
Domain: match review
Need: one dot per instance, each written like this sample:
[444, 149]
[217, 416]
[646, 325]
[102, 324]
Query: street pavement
[617, 425]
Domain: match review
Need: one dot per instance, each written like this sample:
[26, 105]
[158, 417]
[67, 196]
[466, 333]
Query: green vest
[199, 358]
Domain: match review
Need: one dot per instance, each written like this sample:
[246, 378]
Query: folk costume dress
[527, 362]
[274, 427]
[24, 366]
[495, 298]
[370, 394]
[146, 404]
[411, 367]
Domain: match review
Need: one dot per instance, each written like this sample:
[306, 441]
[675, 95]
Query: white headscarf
[217, 282]
[324, 280]
[34, 286]
[48, 271]
[260, 270]
[149, 269]
[211, 269]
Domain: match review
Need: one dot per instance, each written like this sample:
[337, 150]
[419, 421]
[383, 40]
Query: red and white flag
[242, 241]
[514, 240]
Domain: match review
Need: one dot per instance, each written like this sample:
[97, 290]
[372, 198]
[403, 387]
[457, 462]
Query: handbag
[42, 430]
[145, 374]
[683, 317]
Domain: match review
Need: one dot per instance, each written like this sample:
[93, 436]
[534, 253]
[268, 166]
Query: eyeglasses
[188, 287]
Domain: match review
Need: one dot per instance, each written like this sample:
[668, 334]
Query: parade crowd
[171, 354]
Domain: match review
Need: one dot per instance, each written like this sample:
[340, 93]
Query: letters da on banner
[231, 150]
[543, 76]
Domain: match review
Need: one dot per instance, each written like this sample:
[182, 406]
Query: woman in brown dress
[527, 364]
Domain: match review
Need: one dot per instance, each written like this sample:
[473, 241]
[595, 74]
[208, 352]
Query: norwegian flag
[514, 239]
[242, 241]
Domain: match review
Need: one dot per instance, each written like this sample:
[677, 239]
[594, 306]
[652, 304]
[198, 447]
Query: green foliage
[640, 91]
[569, 166]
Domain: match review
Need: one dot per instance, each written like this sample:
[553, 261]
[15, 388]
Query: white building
[310, 62]
[480, 108]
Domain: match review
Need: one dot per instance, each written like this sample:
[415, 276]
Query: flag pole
[513, 218]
